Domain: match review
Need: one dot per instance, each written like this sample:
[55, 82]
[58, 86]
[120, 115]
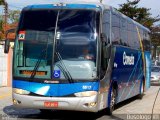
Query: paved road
[131, 106]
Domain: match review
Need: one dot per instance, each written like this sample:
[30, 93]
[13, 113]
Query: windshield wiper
[64, 69]
[42, 55]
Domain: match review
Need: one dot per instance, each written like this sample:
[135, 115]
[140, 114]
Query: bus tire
[112, 104]
[140, 96]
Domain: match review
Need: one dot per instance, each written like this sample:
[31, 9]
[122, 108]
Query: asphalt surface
[142, 108]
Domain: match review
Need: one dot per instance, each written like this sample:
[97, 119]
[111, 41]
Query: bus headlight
[85, 94]
[20, 91]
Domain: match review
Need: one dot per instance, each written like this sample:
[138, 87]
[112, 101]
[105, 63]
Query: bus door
[105, 66]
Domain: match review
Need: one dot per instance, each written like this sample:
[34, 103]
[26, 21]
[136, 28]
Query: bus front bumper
[88, 104]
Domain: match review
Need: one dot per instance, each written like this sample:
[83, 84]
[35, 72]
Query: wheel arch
[114, 85]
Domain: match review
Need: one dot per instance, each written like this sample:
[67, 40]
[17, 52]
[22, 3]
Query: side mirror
[6, 46]
[7, 41]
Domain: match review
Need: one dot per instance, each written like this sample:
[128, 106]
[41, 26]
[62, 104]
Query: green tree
[1, 23]
[1, 27]
[2, 2]
[139, 14]
[13, 16]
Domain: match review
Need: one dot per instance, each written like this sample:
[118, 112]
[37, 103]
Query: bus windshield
[75, 35]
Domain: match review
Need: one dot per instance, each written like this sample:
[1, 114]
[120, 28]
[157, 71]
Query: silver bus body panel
[102, 101]
[64, 103]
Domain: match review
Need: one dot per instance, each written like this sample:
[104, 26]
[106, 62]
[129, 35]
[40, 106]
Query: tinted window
[115, 29]
[82, 21]
[106, 25]
[146, 41]
[123, 32]
[77, 33]
[40, 20]
[136, 40]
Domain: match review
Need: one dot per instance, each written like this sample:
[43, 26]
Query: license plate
[50, 104]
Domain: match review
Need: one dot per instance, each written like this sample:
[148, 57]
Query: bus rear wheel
[140, 96]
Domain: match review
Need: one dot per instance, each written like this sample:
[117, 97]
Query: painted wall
[3, 67]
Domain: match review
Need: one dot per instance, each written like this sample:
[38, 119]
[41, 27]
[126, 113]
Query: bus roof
[73, 5]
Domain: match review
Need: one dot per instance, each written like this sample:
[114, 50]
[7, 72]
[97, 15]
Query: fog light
[16, 101]
[92, 104]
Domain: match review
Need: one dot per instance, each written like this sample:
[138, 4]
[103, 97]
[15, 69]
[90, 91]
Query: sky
[152, 4]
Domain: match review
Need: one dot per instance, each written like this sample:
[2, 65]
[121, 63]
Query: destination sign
[28, 72]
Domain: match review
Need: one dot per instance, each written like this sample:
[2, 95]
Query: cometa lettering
[128, 60]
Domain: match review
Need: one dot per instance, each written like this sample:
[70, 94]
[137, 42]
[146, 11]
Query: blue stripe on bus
[75, 6]
[147, 55]
[131, 75]
[128, 77]
[81, 6]
[55, 89]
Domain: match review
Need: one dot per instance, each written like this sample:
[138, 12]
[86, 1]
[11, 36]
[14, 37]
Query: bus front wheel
[112, 101]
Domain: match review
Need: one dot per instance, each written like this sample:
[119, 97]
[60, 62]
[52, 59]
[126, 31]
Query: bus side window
[131, 37]
[123, 32]
[116, 28]
[146, 41]
[106, 25]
